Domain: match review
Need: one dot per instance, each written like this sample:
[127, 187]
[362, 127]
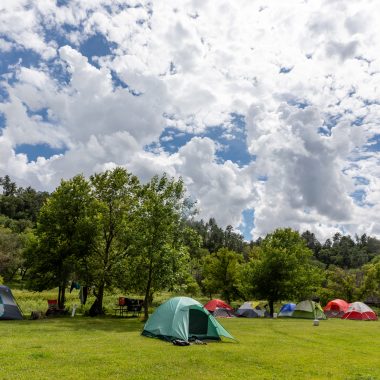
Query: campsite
[114, 347]
[105, 348]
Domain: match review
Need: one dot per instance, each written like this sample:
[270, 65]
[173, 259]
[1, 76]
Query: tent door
[198, 322]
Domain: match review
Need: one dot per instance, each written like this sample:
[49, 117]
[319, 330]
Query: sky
[268, 110]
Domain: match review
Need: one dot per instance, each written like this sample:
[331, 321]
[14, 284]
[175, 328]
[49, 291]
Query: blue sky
[272, 121]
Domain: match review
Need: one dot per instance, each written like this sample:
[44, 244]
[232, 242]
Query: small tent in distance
[308, 310]
[223, 313]
[183, 318]
[335, 308]
[214, 304]
[254, 309]
[8, 306]
[286, 310]
[360, 311]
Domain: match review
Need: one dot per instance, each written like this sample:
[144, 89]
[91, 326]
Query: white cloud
[193, 64]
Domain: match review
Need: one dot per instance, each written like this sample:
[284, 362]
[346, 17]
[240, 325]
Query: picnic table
[128, 307]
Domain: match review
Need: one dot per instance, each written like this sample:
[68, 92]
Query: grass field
[112, 348]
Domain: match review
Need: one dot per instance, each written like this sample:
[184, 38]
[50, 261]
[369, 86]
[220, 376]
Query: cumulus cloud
[303, 75]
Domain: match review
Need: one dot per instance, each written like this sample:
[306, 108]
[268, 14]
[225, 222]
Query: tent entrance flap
[198, 322]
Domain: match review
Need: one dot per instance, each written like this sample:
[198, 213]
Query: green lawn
[112, 348]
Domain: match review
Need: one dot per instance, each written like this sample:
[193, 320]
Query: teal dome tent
[183, 318]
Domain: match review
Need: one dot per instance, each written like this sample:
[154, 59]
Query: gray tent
[253, 309]
[8, 306]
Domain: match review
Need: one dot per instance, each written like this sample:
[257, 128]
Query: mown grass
[105, 348]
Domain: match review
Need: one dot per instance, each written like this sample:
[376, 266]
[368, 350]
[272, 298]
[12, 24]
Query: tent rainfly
[335, 308]
[287, 310]
[253, 309]
[183, 318]
[8, 306]
[214, 304]
[308, 310]
[360, 311]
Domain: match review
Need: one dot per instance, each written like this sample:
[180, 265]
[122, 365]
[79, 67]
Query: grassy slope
[85, 348]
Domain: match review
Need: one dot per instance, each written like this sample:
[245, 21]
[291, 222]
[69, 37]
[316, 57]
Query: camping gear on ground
[183, 318]
[53, 309]
[221, 312]
[180, 342]
[286, 310]
[309, 310]
[253, 309]
[335, 308]
[360, 311]
[212, 305]
[8, 305]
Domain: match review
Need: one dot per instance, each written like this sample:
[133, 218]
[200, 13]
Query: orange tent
[335, 308]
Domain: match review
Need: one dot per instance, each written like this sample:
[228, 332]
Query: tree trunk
[61, 296]
[100, 297]
[147, 293]
[271, 308]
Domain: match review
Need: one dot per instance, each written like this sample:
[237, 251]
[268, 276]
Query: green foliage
[65, 234]
[160, 258]
[222, 274]
[283, 270]
[347, 253]
[18, 203]
[214, 237]
[115, 201]
[343, 284]
[371, 282]
[11, 259]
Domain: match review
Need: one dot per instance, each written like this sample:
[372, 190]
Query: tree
[11, 260]
[18, 203]
[343, 283]
[312, 242]
[371, 282]
[115, 193]
[221, 273]
[65, 233]
[160, 256]
[283, 270]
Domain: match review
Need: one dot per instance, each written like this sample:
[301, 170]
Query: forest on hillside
[112, 231]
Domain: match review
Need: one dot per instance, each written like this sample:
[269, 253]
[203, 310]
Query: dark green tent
[183, 318]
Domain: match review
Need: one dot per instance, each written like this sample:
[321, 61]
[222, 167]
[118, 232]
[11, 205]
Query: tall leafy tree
[65, 234]
[221, 272]
[343, 283]
[371, 281]
[160, 256]
[11, 259]
[116, 199]
[283, 268]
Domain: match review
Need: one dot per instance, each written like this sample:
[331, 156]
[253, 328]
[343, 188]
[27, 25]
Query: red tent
[360, 311]
[335, 308]
[214, 304]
